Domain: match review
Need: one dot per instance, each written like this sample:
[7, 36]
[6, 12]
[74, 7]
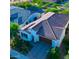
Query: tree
[66, 44]
[52, 10]
[51, 53]
[37, 1]
[54, 53]
[66, 5]
[65, 11]
[57, 53]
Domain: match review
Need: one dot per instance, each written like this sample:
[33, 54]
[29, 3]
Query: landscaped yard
[24, 46]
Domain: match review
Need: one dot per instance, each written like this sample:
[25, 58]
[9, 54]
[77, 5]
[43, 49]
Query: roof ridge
[43, 18]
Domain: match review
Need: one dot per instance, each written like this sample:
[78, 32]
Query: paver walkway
[39, 51]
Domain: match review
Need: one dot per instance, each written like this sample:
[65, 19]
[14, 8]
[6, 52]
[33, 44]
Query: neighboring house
[15, 1]
[50, 28]
[55, 0]
[51, 0]
[18, 15]
[22, 16]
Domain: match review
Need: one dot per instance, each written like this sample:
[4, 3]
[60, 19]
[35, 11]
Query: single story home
[50, 28]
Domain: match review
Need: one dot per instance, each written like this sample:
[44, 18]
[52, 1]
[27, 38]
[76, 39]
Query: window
[24, 35]
[26, 23]
[35, 18]
[32, 37]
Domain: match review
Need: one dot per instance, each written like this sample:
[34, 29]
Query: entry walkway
[39, 51]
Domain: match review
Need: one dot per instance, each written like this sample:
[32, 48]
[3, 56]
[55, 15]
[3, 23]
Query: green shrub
[52, 10]
[66, 5]
[66, 44]
[37, 1]
[14, 27]
[65, 11]
[54, 53]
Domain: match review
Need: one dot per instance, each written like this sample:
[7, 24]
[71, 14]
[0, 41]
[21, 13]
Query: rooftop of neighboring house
[15, 7]
[19, 13]
[51, 0]
[49, 25]
[15, 1]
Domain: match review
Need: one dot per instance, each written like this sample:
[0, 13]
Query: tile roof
[58, 20]
[50, 25]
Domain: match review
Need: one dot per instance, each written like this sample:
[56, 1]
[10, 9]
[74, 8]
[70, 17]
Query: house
[49, 28]
[15, 1]
[22, 16]
[51, 0]
[18, 15]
